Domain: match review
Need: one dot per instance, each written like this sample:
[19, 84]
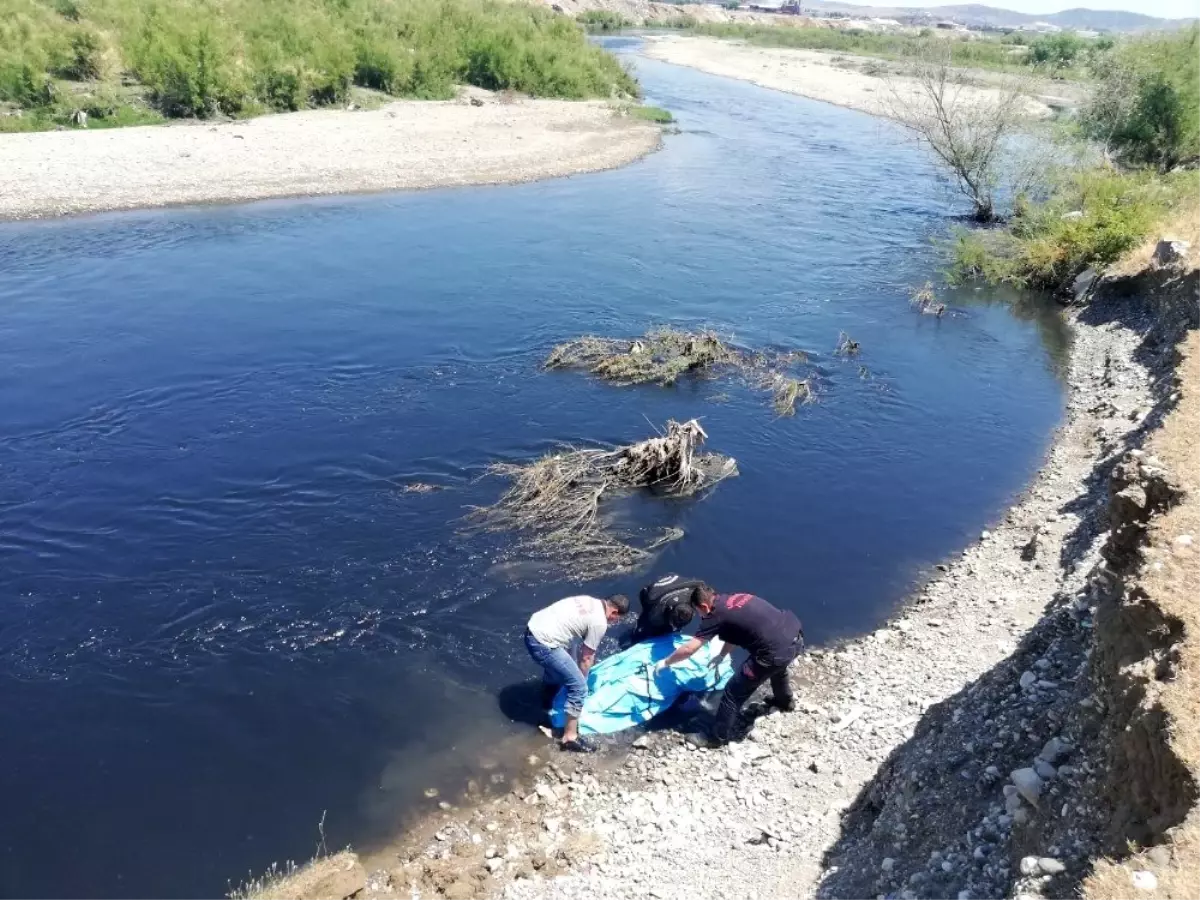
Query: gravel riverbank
[480, 138]
[956, 752]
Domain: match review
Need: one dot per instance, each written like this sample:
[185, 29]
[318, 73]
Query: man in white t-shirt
[549, 636]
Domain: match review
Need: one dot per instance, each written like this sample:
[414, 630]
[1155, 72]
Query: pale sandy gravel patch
[404, 145]
[809, 73]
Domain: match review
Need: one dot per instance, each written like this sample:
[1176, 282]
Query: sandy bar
[404, 145]
[809, 73]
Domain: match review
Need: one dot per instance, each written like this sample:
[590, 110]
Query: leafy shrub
[602, 20]
[79, 58]
[1146, 107]
[24, 85]
[1057, 50]
[187, 67]
[68, 9]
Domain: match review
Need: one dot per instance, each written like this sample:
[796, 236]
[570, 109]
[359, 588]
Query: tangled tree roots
[788, 392]
[659, 358]
[555, 502]
[664, 355]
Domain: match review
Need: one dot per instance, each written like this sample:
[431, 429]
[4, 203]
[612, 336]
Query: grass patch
[652, 114]
[235, 57]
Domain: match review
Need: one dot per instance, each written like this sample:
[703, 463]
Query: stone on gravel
[1048, 865]
[1054, 750]
[1028, 784]
[1144, 881]
[1044, 769]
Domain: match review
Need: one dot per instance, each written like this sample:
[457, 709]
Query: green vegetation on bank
[125, 60]
[652, 114]
[1145, 114]
[1090, 220]
[1062, 56]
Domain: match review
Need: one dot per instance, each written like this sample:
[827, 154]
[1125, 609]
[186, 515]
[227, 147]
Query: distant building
[1040, 28]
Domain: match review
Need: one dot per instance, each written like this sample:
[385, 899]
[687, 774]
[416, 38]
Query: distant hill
[977, 14]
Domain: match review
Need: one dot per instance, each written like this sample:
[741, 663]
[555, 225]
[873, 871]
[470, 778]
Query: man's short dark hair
[703, 593]
[679, 617]
[619, 602]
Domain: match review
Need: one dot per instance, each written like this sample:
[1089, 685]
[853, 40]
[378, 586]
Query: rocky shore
[971, 748]
[480, 138]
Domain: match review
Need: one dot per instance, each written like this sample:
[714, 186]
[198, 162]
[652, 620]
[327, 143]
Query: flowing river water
[221, 617]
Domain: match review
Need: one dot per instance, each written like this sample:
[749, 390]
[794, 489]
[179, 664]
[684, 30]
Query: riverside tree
[966, 129]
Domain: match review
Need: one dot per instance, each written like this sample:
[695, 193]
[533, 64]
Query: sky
[1167, 9]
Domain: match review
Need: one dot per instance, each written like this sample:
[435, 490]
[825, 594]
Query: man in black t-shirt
[772, 637]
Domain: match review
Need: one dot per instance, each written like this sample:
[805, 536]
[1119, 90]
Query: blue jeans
[559, 667]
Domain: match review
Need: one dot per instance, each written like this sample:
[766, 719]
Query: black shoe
[579, 745]
[705, 739]
[788, 705]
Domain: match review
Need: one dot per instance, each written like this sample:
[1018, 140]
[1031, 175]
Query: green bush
[602, 20]
[1146, 106]
[22, 84]
[206, 57]
[78, 59]
[1057, 50]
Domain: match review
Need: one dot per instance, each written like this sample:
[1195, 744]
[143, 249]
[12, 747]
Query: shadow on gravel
[930, 795]
[1117, 305]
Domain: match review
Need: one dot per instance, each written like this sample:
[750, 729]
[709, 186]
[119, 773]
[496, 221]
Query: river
[223, 620]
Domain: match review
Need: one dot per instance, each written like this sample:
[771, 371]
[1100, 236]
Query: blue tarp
[622, 693]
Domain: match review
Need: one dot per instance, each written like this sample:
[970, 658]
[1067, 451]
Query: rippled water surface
[221, 616]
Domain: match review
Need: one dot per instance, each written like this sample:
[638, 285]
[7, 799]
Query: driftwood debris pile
[555, 503]
[664, 355]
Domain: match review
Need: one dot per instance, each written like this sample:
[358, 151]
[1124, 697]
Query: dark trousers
[748, 679]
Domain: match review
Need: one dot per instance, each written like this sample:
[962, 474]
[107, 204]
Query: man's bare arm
[684, 652]
[587, 656]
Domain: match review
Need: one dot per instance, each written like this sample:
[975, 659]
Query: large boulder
[1171, 252]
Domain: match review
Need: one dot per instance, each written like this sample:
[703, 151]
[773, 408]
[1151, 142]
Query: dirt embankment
[1028, 726]
[1147, 659]
[480, 138]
